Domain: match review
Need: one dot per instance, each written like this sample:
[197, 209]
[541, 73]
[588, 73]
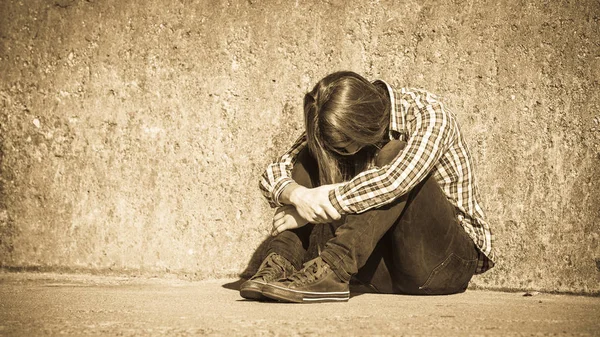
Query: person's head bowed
[343, 113]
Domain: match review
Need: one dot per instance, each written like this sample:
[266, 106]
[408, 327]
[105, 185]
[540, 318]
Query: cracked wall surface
[132, 133]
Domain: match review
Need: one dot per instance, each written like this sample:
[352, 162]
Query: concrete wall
[132, 133]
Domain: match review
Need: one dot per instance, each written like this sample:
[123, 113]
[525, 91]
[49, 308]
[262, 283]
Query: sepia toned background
[132, 133]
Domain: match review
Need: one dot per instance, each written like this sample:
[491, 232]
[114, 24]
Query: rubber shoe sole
[299, 296]
[252, 290]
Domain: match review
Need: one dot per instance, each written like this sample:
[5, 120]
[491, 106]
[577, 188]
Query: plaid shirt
[434, 145]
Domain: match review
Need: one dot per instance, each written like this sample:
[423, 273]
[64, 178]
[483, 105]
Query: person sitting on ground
[389, 172]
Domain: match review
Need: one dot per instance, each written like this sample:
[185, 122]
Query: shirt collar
[397, 118]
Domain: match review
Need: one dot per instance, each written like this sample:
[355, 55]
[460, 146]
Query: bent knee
[389, 152]
[306, 171]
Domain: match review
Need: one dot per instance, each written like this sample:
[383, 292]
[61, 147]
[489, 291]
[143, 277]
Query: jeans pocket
[450, 277]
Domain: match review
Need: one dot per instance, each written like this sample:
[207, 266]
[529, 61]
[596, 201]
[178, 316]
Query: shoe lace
[270, 269]
[309, 273]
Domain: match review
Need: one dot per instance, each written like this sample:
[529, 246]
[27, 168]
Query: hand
[285, 218]
[313, 204]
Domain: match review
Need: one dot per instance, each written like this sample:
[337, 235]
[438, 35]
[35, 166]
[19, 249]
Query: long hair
[343, 108]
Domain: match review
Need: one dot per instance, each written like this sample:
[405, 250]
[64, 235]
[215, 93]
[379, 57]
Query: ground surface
[50, 304]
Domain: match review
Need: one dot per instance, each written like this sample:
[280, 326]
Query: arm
[432, 135]
[278, 175]
[305, 205]
[312, 204]
[278, 187]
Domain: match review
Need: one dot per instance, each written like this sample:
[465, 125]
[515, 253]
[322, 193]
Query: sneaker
[273, 268]
[316, 282]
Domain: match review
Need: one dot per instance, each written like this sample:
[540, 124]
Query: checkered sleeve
[431, 136]
[279, 173]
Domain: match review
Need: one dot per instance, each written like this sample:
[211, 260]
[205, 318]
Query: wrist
[295, 194]
[290, 194]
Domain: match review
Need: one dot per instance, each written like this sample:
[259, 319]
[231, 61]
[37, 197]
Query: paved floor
[51, 304]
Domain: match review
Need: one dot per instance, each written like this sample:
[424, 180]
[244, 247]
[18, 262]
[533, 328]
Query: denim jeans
[413, 245]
